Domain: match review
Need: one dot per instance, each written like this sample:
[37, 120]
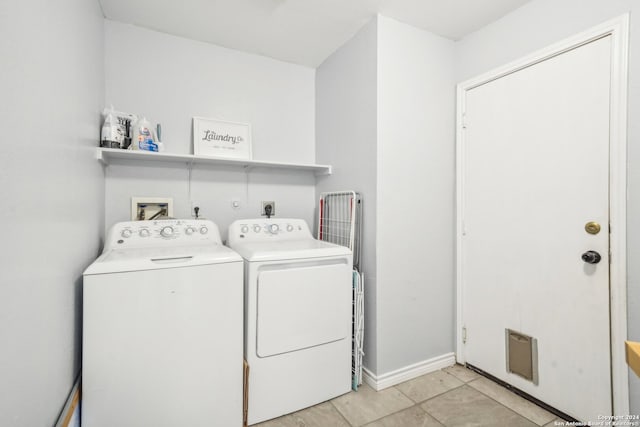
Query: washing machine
[162, 328]
[297, 315]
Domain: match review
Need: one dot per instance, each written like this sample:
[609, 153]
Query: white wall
[415, 205]
[385, 121]
[540, 23]
[169, 80]
[346, 109]
[52, 192]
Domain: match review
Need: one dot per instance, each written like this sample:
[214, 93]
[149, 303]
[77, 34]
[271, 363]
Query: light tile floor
[453, 396]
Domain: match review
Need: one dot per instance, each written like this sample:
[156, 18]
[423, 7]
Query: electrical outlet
[264, 208]
[195, 204]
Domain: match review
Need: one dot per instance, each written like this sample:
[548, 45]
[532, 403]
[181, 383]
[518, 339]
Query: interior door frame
[618, 29]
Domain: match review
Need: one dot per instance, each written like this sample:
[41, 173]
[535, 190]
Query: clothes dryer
[162, 328]
[297, 315]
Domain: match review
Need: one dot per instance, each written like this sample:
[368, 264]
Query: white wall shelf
[114, 155]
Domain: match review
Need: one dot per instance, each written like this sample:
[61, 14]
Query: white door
[536, 170]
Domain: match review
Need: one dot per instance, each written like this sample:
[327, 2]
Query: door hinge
[464, 335]
[464, 120]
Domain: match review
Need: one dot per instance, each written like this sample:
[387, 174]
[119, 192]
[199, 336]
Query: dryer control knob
[256, 228]
[189, 231]
[126, 233]
[144, 233]
[166, 231]
[274, 228]
[204, 230]
[289, 227]
[244, 229]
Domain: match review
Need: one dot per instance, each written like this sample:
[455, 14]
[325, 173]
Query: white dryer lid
[154, 258]
[289, 249]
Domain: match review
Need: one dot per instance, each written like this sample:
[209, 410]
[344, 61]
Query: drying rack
[340, 222]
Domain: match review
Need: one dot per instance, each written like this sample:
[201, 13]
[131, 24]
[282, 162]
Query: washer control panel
[260, 229]
[162, 232]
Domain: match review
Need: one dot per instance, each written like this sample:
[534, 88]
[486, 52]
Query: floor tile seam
[341, 414]
[400, 391]
[555, 417]
[390, 413]
[397, 412]
[539, 407]
[419, 404]
[457, 377]
[512, 410]
[499, 404]
[430, 414]
[432, 397]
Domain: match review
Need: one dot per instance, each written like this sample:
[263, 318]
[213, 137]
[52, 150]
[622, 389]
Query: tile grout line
[395, 386]
[438, 395]
[435, 395]
[505, 406]
[418, 404]
[488, 397]
[379, 418]
[397, 412]
[432, 397]
[341, 414]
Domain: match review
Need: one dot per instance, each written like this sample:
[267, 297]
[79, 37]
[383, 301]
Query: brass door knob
[592, 227]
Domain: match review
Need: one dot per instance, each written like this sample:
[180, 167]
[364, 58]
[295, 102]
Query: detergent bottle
[143, 138]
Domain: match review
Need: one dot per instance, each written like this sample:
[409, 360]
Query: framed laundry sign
[219, 138]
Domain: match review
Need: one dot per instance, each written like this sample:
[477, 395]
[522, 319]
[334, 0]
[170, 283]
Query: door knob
[592, 227]
[591, 257]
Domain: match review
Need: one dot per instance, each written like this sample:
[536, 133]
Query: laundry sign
[219, 138]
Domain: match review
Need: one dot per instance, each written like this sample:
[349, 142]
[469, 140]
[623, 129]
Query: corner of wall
[346, 105]
[415, 144]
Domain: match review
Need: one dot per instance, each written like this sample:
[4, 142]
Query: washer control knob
[244, 229]
[126, 233]
[204, 230]
[289, 227]
[166, 231]
[274, 228]
[144, 233]
[257, 228]
[189, 231]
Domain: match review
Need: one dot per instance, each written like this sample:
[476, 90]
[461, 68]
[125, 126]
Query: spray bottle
[108, 135]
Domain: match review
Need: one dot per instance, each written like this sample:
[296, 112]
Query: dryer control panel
[269, 230]
[165, 232]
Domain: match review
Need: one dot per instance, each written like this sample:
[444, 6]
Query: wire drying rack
[340, 222]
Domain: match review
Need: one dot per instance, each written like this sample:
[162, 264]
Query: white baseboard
[380, 382]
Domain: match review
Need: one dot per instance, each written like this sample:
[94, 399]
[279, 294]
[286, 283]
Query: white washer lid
[155, 258]
[289, 249]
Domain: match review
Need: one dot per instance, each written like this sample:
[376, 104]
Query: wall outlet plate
[194, 204]
[263, 212]
[145, 208]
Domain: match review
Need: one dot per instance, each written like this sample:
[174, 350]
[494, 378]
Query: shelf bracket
[325, 172]
[100, 157]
